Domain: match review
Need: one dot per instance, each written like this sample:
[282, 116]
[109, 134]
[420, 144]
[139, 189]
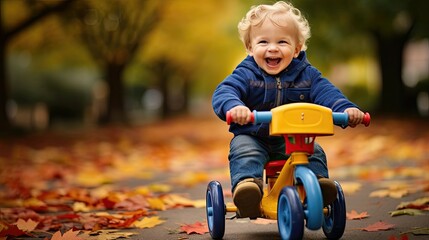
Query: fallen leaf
[378, 226]
[148, 222]
[350, 187]
[106, 235]
[11, 231]
[197, 227]
[160, 188]
[393, 193]
[69, 235]
[403, 237]
[178, 201]
[263, 221]
[26, 226]
[80, 207]
[419, 231]
[406, 211]
[420, 203]
[189, 179]
[353, 215]
[156, 204]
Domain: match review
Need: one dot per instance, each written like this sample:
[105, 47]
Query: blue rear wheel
[215, 210]
[290, 215]
[335, 221]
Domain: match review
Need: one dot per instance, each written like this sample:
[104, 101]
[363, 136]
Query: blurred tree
[352, 27]
[40, 10]
[113, 32]
[192, 49]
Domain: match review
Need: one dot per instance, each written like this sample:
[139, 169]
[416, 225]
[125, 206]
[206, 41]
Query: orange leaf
[263, 221]
[69, 235]
[26, 226]
[353, 215]
[197, 227]
[378, 226]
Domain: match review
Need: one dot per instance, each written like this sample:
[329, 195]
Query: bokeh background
[105, 105]
[87, 63]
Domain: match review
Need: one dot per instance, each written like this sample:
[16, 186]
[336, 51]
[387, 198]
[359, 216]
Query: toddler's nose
[272, 47]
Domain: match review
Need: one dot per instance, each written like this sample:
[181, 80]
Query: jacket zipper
[279, 92]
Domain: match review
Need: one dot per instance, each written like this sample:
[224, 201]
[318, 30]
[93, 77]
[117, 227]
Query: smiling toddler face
[273, 46]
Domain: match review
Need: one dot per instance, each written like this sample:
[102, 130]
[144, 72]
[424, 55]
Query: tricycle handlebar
[340, 119]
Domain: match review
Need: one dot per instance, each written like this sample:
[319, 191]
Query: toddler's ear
[297, 50]
[249, 51]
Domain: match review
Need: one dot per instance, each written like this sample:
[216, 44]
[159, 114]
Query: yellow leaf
[33, 202]
[175, 200]
[156, 204]
[393, 193]
[200, 203]
[142, 190]
[160, 188]
[190, 179]
[80, 207]
[148, 222]
[91, 177]
[379, 193]
[350, 187]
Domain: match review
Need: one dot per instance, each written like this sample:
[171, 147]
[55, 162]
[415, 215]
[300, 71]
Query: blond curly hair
[276, 13]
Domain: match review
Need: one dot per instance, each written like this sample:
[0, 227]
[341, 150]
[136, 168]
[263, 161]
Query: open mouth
[272, 61]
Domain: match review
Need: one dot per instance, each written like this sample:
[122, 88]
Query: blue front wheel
[290, 215]
[215, 210]
[335, 221]
[313, 204]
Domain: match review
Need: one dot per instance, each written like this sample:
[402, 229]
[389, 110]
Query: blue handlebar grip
[262, 117]
[340, 119]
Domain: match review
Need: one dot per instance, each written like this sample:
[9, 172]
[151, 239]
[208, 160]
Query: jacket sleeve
[230, 92]
[324, 93]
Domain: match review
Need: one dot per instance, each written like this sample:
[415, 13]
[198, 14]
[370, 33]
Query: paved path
[377, 208]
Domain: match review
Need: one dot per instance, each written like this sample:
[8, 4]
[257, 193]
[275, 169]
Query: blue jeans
[249, 154]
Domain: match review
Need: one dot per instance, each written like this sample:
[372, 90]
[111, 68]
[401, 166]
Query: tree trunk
[394, 98]
[5, 38]
[115, 102]
[4, 89]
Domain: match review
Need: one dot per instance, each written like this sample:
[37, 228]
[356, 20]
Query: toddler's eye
[283, 42]
[262, 42]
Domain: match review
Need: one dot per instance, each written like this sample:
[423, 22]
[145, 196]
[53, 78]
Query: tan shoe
[247, 198]
[329, 191]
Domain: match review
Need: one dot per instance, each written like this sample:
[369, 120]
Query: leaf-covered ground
[107, 183]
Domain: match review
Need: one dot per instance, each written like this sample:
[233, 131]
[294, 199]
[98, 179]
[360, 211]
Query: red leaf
[403, 237]
[12, 231]
[68, 216]
[197, 227]
[378, 226]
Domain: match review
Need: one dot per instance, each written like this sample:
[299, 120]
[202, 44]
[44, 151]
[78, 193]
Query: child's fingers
[240, 115]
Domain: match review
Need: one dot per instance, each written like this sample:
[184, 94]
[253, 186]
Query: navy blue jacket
[249, 85]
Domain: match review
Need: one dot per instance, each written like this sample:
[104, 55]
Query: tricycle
[292, 195]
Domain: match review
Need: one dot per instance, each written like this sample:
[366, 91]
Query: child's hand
[355, 116]
[240, 114]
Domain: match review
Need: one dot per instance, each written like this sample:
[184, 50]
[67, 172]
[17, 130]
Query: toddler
[275, 72]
